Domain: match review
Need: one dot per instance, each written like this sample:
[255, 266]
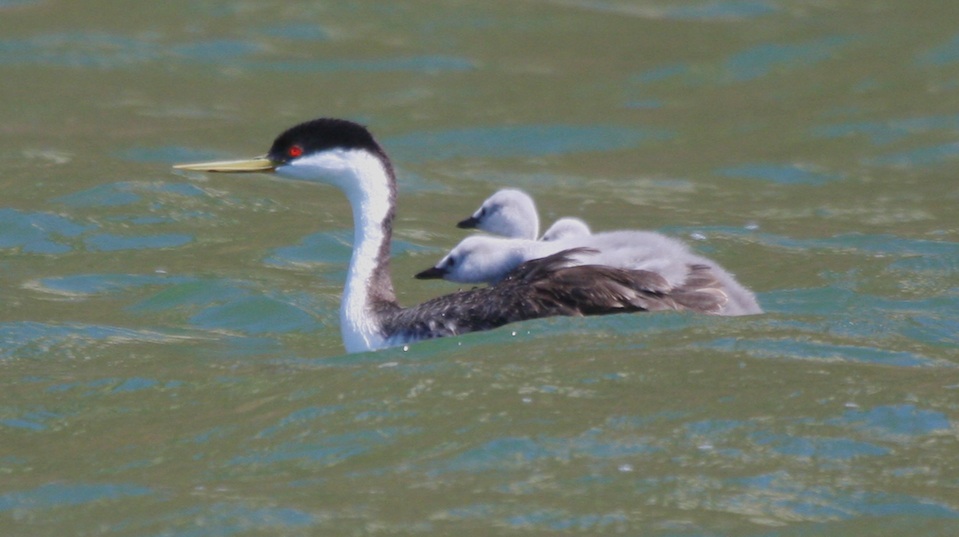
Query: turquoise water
[169, 342]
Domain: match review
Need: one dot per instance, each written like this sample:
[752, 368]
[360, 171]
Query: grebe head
[326, 151]
[331, 151]
[322, 150]
[508, 212]
[477, 259]
[566, 228]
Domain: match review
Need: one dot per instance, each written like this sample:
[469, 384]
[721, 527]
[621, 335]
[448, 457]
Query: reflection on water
[170, 346]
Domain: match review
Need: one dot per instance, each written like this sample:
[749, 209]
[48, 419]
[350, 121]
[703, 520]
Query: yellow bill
[259, 164]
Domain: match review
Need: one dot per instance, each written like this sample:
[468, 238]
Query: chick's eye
[451, 262]
[294, 151]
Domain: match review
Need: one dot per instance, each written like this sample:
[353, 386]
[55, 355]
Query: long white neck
[370, 188]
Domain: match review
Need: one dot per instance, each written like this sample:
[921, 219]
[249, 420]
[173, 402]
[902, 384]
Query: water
[170, 355]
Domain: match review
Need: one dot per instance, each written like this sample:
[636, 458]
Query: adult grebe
[344, 154]
[480, 258]
[511, 212]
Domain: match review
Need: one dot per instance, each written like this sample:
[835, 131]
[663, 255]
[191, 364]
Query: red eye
[294, 151]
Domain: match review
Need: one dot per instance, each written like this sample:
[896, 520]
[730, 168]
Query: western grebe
[344, 154]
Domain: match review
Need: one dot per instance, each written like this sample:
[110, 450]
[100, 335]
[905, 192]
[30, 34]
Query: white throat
[364, 179]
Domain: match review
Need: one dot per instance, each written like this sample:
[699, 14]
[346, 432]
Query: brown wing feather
[548, 287]
[701, 291]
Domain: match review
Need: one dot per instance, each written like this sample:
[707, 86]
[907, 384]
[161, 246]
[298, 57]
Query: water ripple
[257, 315]
[60, 494]
[895, 422]
[518, 141]
[327, 450]
[714, 11]
[889, 131]
[782, 496]
[223, 518]
[942, 55]
[784, 174]
[919, 157]
[37, 232]
[722, 10]
[328, 248]
[109, 242]
[794, 349]
[766, 58]
[421, 64]
[100, 50]
[25, 339]
[127, 193]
